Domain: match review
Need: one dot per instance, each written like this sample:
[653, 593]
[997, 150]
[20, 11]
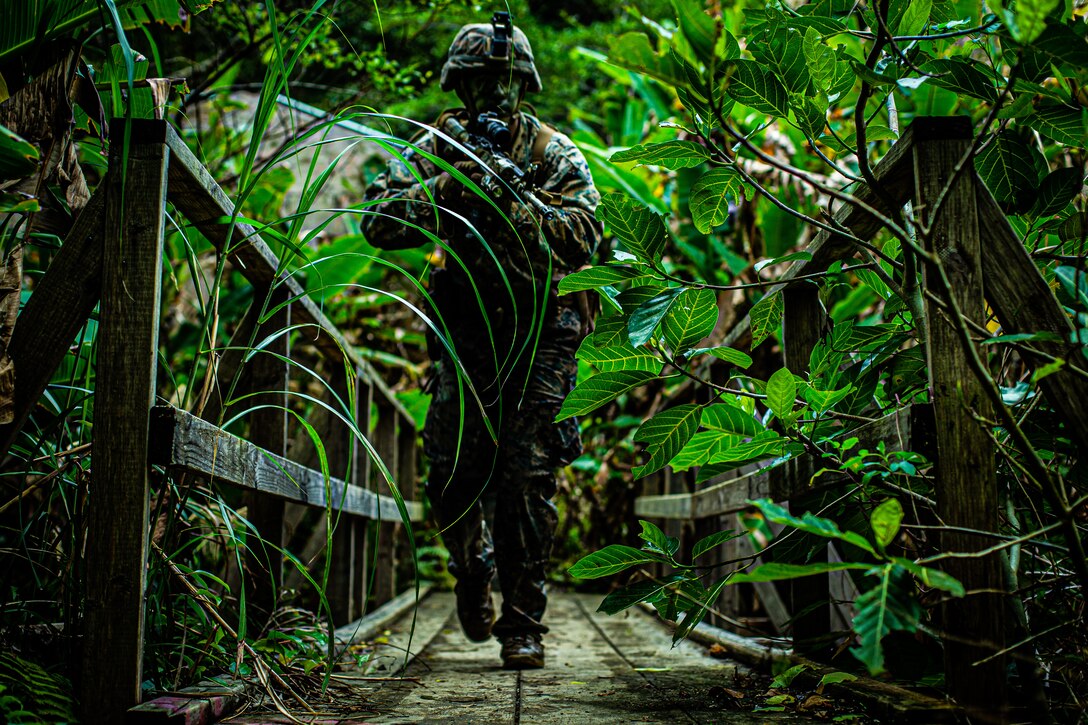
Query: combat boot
[522, 651]
[474, 608]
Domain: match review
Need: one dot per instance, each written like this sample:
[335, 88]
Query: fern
[22, 681]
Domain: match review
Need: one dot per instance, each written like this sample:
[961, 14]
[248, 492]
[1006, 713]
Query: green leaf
[1057, 190]
[767, 445]
[702, 446]
[834, 678]
[811, 116]
[1006, 167]
[18, 158]
[812, 524]
[700, 29]
[708, 543]
[610, 560]
[674, 154]
[657, 540]
[640, 229]
[1064, 124]
[730, 355]
[934, 578]
[598, 276]
[888, 606]
[765, 316]
[691, 317]
[758, 88]
[1026, 19]
[594, 392]
[786, 677]
[13, 203]
[712, 193]
[885, 521]
[618, 357]
[1074, 282]
[1047, 370]
[631, 595]
[915, 17]
[820, 60]
[781, 49]
[665, 434]
[961, 76]
[779, 571]
[648, 316]
[781, 391]
[824, 400]
[731, 419]
[633, 51]
[696, 614]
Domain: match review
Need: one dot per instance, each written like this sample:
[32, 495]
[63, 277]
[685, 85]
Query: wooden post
[385, 441]
[268, 429]
[966, 480]
[803, 322]
[128, 340]
[361, 467]
[339, 450]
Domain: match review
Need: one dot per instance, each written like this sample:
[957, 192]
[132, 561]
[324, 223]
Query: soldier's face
[484, 92]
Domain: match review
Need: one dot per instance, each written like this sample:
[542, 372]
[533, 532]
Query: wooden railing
[114, 256]
[985, 262]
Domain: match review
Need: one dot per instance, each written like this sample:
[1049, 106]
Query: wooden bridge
[600, 669]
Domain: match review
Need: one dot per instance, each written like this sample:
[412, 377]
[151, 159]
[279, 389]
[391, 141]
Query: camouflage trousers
[493, 501]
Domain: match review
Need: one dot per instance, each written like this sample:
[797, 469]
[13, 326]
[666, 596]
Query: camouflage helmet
[471, 50]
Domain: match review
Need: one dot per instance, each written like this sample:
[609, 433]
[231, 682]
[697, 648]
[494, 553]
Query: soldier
[490, 434]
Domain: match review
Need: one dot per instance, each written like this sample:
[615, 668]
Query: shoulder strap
[543, 136]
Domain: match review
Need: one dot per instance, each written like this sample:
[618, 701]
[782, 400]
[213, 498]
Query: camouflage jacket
[506, 260]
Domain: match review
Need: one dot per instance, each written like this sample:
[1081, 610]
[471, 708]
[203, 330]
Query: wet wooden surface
[600, 669]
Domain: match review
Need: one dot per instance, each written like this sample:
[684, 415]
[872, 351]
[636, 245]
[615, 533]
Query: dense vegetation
[720, 136]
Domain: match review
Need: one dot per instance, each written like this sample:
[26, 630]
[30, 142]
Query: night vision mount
[503, 29]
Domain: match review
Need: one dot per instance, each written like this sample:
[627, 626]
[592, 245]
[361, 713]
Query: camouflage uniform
[494, 501]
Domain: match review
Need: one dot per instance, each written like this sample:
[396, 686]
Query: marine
[510, 210]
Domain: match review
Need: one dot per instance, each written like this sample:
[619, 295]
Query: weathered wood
[895, 173]
[966, 480]
[1024, 302]
[776, 609]
[385, 444]
[187, 443]
[269, 376]
[128, 338]
[62, 301]
[341, 586]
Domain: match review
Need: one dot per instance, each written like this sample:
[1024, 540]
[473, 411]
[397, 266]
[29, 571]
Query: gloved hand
[451, 191]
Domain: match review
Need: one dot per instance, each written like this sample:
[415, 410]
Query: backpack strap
[540, 143]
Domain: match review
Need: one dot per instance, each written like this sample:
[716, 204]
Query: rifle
[488, 148]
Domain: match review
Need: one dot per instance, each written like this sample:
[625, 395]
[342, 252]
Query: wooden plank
[967, 494]
[128, 337]
[1024, 302]
[62, 301]
[767, 592]
[197, 196]
[185, 442]
[385, 443]
[895, 172]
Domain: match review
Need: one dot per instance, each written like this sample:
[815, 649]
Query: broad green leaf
[1007, 168]
[640, 229]
[716, 539]
[731, 419]
[674, 154]
[699, 28]
[781, 49]
[820, 60]
[1025, 19]
[889, 606]
[765, 316]
[781, 391]
[648, 316]
[633, 51]
[885, 521]
[691, 317]
[696, 614]
[786, 677]
[711, 195]
[598, 276]
[730, 355]
[833, 678]
[767, 445]
[812, 524]
[603, 388]
[1041, 336]
[961, 76]
[665, 434]
[610, 331]
[1064, 124]
[11, 203]
[18, 158]
[811, 116]
[934, 578]
[657, 539]
[1057, 190]
[618, 357]
[1074, 282]
[915, 17]
[824, 400]
[633, 594]
[610, 560]
[758, 88]
[777, 572]
[844, 76]
[702, 446]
